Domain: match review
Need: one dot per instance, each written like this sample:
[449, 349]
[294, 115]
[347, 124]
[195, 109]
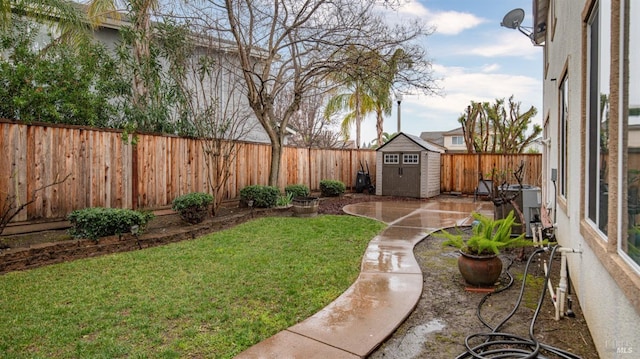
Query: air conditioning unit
[529, 200]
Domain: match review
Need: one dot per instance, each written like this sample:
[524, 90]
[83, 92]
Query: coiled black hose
[505, 345]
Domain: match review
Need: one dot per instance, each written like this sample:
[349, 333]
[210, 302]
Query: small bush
[331, 188]
[285, 200]
[297, 190]
[262, 196]
[192, 207]
[96, 222]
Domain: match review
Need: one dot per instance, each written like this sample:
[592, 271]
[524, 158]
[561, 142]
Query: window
[391, 158]
[631, 91]
[563, 130]
[598, 54]
[457, 140]
[410, 158]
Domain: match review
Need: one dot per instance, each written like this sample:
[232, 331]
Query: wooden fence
[461, 172]
[108, 172]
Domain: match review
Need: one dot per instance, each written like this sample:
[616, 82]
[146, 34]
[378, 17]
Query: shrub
[297, 190]
[331, 188]
[96, 222]
[262, 196]
[285, 200]
[192, 207]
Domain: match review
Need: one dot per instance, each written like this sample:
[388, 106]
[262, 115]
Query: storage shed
[408, 166]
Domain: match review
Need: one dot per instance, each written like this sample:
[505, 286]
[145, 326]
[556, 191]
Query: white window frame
[391, 158]
[410, 159]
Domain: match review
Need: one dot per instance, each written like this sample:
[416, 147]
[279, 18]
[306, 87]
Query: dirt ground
[446, 312]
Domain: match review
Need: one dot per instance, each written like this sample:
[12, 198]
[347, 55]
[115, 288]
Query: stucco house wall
[606, 281]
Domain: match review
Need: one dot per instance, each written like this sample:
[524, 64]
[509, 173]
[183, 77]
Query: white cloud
[444, 22]
[491, 68]
[511, 43]
[453, 22]
[421, 113]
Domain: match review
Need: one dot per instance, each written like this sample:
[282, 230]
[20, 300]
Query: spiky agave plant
[488, 237]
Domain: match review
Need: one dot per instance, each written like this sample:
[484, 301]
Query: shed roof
[428, 146]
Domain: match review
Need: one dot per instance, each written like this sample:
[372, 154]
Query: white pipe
[550, 286]
[562, 286]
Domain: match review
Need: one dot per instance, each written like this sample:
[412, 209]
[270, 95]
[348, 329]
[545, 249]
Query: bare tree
[311, 128]
[13, 205]
[476, 128]
[493, 128]
[213, 104]
[298, 44]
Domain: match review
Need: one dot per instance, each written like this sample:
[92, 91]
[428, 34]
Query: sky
[474, 58]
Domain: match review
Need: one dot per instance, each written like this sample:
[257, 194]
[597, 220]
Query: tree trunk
[379, 129]
[276, 157]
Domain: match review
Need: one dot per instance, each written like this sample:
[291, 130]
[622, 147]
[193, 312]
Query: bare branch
[12, 206]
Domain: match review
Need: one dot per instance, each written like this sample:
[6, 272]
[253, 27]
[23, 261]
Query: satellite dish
[513, 19]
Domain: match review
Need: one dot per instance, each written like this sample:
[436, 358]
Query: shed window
[410, 158]
[391, 158]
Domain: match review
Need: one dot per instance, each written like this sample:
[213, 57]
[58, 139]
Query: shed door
[401, 174]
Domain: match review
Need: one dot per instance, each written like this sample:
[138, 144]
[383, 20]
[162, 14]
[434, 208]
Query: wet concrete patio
[385, 292]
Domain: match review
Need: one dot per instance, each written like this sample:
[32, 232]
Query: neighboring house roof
[455, 132]
[427, 145]
[436, 137]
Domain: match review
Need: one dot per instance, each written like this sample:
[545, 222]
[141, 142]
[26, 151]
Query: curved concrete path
[384, 294]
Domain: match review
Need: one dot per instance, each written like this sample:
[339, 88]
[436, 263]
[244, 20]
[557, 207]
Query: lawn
[210, 297]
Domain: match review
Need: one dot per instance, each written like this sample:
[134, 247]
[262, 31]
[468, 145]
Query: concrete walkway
[385, 293]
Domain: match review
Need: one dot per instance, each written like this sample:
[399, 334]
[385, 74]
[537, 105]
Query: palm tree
[358, 102]
[139, 14]
[386, 137]
[369, 91]
[65, 16]
[381, 89]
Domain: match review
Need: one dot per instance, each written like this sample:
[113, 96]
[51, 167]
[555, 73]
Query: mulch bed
[26, 251]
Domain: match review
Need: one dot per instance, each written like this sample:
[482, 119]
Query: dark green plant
[262, 196]
[57, 84]
[192, 207]
[285, 200]
[297, 190]
[157, 105]
[331, 188]
[488, 237]
[96, 222]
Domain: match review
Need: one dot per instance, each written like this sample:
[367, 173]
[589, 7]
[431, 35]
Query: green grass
[209, 297]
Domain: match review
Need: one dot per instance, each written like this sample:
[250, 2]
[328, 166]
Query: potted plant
[303, 204]
[192, 207]
[479, 263]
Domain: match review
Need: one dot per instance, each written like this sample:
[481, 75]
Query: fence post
[134, 176]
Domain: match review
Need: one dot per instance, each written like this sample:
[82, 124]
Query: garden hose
[505, 345]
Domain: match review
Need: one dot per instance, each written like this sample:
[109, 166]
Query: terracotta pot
[305, 206]
[481, 271]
